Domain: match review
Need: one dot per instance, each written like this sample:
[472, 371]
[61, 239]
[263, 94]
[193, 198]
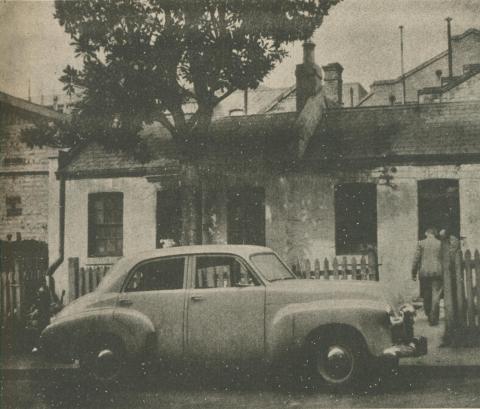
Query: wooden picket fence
[462, 293]
[21, 273]
[85, 279]
[362, 268]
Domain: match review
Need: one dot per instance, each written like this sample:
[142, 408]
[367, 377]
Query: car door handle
[197, 298]
[125, 302]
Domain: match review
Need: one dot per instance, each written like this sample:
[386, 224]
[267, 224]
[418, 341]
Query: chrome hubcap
[107, 364]
[335, 364]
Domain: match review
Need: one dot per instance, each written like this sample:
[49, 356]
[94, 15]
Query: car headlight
[394, 318]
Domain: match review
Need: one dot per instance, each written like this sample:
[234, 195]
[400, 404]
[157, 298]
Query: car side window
[161, 274]
[222, 271]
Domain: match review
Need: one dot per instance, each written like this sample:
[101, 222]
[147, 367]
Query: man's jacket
[427, 261]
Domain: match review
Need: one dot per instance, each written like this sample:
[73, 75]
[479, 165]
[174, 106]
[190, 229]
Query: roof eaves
[31, 107]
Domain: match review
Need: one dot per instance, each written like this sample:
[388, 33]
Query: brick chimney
[309, 76]
[333, 84]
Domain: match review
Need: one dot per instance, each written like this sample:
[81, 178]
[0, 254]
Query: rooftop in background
[431, 73]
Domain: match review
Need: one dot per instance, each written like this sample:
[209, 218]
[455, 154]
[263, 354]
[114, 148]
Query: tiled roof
[233, 139]
[408, 133]
[351, 136]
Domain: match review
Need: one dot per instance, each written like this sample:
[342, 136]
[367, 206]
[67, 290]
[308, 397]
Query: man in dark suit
[427, 264]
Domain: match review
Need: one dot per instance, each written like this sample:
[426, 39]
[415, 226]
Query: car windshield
[271, 267]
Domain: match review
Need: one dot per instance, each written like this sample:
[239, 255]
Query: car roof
[239, 249]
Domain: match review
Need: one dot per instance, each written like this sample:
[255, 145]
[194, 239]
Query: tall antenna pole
[449, 39]
[404, 92]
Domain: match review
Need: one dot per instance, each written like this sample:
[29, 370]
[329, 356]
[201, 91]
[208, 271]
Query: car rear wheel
[337, 362]
[104, 361]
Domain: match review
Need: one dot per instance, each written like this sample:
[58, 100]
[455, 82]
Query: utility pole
[404, 91]
[450, 56]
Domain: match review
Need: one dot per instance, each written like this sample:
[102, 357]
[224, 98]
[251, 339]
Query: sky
[362, 35]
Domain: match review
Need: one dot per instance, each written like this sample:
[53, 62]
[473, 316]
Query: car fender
[292, 325]
[65, 338]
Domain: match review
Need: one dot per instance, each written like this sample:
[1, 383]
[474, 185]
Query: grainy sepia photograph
[239, 204]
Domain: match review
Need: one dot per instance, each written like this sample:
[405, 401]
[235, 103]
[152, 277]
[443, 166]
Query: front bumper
[418, 346]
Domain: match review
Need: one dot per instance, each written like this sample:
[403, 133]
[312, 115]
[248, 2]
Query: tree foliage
[172, 61]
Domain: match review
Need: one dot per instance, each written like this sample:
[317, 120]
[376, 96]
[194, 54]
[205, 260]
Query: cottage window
[105, 224]
[14, 206]
[355, 218]
[246, 216]
[169, 217]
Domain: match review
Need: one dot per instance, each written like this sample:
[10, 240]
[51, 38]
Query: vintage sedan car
[229, 303]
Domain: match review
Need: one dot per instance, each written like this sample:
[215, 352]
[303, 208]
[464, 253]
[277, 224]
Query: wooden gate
[23, 264]
[462, 296]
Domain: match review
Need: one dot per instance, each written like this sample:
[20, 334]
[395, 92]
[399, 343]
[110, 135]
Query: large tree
[148, 60]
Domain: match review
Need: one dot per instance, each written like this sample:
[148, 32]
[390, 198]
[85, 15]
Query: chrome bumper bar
[417, 347]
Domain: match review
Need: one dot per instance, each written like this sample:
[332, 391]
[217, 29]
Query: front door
[156, 289]
[226, 307]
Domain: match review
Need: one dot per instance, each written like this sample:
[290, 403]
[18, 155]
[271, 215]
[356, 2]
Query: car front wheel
[337, 362]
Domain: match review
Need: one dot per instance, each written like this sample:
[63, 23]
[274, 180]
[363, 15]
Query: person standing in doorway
[427, 266]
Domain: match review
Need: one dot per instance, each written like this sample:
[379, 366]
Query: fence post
[477, 283]
[460, 288]
[469, 290]
[335, 269]
[354, 269]
[73, 272]
[317, 268]
[345, 267]
[449, 297]
[17, 289]
[308, 268]
[326, 268]
[363, 268]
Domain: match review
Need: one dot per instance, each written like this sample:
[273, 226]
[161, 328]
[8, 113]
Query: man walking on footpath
[428, 266]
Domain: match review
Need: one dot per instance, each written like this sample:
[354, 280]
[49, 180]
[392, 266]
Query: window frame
[346, 249]
[238, 258]
[91, 227]
[16, 200]
[128, 277]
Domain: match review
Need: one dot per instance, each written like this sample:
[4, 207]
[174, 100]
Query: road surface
[411, 388]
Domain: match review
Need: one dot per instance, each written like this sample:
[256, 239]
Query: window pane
[166, 274]
[169, 217]
[221, 271]
[105, 224]
[355, 218]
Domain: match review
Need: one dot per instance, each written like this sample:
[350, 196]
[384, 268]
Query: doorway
[438, 206]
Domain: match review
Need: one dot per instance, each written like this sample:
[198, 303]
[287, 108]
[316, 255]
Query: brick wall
[23, 175]
[33, 193]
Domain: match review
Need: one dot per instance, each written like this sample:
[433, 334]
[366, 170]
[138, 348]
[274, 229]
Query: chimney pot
[308, 52]
[308, 75]
[333, 83]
